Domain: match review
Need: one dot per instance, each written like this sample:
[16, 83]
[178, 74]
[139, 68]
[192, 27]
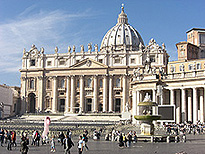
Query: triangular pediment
[88, 63]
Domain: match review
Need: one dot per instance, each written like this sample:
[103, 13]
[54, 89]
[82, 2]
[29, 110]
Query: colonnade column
[81, 94]
[67, 103]
[124, 92]
[40, 93]
[154, 108]
[178, 115]
[111, 94]
[95, 102]
[171, 96]
[134, 105]
[105, 92]
[72, 96]
[189, 105]
[183, 107]
[138, 101]
[201, 105]
[55, 98]
[195, 106]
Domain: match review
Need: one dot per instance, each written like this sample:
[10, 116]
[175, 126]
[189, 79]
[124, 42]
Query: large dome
[122, 34]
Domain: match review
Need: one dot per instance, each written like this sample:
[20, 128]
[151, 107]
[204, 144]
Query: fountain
[145, 115]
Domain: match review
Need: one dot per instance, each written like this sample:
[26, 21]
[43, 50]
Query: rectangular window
[100, 60]
[152, 58]
[172, 68]
[190, 66]
[62, 62]
[117, 61]
[198, 66]
[49, 63]
[132, 60]
[32, 62]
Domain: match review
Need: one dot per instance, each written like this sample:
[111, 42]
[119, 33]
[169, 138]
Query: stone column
[95, 101]
[154, 108]
[40, 93]
[55, 95]
[124, 92]
[67, 103]
[172, 97]
[189, 105]
[72, 95]
[201, 105]
[183, 108]
[139, 94]
[195, 106]
[23, 94]
[81, 94]
[134, 106]
[105, 92]
[111, 94]
[178, 115]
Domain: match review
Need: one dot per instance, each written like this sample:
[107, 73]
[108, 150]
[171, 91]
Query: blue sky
[50, 23]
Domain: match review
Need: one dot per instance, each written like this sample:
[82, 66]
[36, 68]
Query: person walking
[53, 148]
[14, 138]
[24, 145]
[68, 143]
[85, 140]
[80, 145]
[9, 141]
[2, 136]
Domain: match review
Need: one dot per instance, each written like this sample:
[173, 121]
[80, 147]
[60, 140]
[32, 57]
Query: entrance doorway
[117, 105]
[62, 105]
[31, 105]
[88, 105]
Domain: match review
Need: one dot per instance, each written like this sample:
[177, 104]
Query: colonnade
[188, 102]
[108, 93]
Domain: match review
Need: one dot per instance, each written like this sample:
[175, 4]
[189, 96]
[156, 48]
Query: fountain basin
[147, 117]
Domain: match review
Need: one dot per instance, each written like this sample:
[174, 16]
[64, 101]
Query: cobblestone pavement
[194, 145]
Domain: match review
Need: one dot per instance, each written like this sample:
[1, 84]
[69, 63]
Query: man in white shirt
[80, 145]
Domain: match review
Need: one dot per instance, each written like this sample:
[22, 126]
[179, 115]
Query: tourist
[85, 140]
[53, 148]
[80, 145]
[33, 138]
[129, 139]
[9, 140]
[2, 137]
[67, 144]
[5, 136]
[121, 144]
[61, 137]
[24, 145]
[14, 138]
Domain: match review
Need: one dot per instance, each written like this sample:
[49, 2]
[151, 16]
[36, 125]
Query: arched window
[89, 82]
[101, 83]
[48, 84]
[78, 84]
[62, 83]
[117, 82]
[32, 84]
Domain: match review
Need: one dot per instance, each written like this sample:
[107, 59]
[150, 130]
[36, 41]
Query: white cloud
[43, 29]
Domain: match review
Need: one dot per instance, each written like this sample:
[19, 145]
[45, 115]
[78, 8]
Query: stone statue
[24, 51]
[147, 98]
[127, 107]
[42, 50]
[69, 49]
[56, 49]
[33, 46]
[96, 48]
[163, 46]
[82, 48]
[73, 48]
[140, 46]
[89, 47]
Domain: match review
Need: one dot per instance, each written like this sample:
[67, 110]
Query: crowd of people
[8, 138]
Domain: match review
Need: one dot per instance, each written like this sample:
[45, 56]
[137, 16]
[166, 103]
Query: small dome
[122, 34]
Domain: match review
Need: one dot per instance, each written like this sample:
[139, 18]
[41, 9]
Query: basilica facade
[114, 77]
